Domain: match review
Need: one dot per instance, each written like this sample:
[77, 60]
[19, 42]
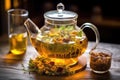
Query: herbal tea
[18, 43]
[62, 46]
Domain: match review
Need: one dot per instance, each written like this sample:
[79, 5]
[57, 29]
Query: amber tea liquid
[18, 43]
[58, 49]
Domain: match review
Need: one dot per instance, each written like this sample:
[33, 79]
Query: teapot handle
[94, 28]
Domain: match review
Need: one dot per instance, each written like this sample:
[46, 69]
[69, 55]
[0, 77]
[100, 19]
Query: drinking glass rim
[102, 50]
[24, 12]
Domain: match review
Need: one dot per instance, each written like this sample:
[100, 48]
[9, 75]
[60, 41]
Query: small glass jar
[100, 60]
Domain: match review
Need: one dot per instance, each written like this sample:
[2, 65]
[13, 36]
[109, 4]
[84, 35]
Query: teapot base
[46, 66]
[80, 66]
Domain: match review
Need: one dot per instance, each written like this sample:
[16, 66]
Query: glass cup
[16, 31]
[100, 60]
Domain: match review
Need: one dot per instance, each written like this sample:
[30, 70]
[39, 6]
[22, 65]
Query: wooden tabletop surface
[12, 67]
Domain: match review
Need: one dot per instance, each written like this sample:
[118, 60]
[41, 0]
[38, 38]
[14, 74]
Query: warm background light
[15, 3]
[7, 4]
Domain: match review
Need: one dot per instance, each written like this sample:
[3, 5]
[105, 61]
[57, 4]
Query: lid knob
[60, 8]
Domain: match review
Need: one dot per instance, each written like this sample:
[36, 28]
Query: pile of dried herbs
[42, 65]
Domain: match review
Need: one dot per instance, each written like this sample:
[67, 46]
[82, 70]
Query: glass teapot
[60, 39]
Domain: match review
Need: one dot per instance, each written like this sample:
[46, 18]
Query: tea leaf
[62, 27]
[80, 34]
[69, 28]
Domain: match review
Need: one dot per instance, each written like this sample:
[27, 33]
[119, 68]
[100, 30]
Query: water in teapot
[63, 44]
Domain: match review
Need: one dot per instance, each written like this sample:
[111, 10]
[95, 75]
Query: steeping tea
[61, 44]
[18, 43]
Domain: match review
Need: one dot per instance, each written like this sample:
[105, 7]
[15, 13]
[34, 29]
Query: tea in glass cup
[16, 31]
[18, 43]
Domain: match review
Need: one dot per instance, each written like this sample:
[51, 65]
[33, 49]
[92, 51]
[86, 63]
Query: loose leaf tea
[100, 61]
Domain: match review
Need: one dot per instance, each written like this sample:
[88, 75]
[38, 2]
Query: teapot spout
[31, 27]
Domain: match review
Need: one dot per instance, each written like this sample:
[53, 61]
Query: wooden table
[11, 67]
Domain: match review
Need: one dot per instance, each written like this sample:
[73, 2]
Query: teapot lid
[60, 14]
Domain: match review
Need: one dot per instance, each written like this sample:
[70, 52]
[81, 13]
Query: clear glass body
[61, 41]
[16, 31]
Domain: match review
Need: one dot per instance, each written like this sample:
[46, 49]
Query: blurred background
[104, 14]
